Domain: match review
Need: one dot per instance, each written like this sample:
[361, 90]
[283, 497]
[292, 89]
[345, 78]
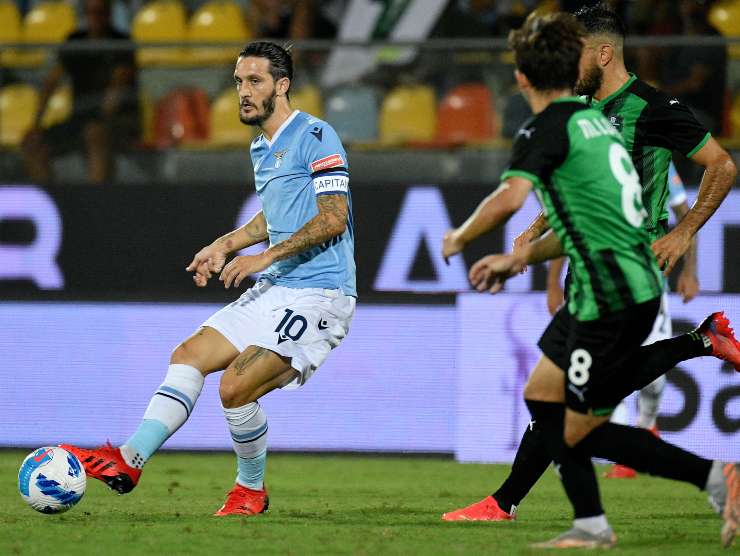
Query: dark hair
[598, 19]
[547, 49]
[281, 63]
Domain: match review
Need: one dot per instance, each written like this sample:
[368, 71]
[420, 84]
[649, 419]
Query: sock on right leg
[169, 408]
[248, 427]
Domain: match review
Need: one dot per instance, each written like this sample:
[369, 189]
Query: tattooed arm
[331, 221]
[212, 257]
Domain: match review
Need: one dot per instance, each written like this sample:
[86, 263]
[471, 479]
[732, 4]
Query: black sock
[532, 457]
[644, 452]
[654, 360]
[576, 470]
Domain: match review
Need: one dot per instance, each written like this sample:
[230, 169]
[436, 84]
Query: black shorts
[68, 136]
[595, 354]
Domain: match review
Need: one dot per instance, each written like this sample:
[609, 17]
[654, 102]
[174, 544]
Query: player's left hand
[451, 244]
[241, 267]
[490, 272]
[688, 286]
[670, 248]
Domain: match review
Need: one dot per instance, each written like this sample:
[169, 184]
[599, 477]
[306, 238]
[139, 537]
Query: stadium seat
[226, 129]
[59, 107]
[181, 118]
[725, 17]
[18, 106]
[217, 21]
[307, 99]
[47, 22]
[408, 115]
[10, 31]
[466, 115]
[160, 21]
[353, 111]
[146, 118]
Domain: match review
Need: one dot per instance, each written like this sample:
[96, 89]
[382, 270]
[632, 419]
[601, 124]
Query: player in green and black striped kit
[591, 195]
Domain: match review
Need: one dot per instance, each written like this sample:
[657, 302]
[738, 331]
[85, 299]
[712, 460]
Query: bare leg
[37, 158]
[99, 156]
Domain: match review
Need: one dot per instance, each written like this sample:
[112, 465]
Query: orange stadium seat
[59, 107]
[307, 99]
[47, 22]
[408, 115]
[18, 105]
[181, 118]
[466, 115]
[226, 129]
[217, 21]
[725, 17]
[160, 21]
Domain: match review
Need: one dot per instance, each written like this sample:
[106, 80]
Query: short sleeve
[326, 159]
[673, 126]
[539, 148]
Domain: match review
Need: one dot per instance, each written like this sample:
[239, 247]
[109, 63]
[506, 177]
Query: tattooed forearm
[253, 232]
[330, 222]
[245, 359]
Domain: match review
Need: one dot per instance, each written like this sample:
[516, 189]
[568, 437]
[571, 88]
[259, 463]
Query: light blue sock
[248, 428]
[169, 408]
[147, 439]
[251, 471]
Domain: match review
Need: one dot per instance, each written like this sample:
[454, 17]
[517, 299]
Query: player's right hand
[207, 261]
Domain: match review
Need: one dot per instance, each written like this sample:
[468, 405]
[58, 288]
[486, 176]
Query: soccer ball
[51, 480]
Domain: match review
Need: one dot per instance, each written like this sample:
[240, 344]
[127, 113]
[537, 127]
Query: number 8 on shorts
[580, 363]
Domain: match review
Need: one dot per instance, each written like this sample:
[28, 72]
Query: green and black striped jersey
[591, 197]
[652, 124]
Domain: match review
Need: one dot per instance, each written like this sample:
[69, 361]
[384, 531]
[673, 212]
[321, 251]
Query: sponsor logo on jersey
[331, 161]
[616, 121]
[526, 132]
[673, 101]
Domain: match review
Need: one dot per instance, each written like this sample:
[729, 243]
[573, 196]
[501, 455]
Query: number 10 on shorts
[292, 326]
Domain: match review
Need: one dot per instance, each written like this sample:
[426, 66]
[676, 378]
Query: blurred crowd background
[81, 101]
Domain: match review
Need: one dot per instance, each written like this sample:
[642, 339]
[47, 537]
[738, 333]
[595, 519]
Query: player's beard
[590, 82]
[268, 107]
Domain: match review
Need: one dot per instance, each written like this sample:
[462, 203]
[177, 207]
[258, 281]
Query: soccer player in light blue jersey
[283, 328]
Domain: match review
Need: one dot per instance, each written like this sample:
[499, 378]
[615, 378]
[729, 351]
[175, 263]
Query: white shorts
[303, 324]
[662, 329]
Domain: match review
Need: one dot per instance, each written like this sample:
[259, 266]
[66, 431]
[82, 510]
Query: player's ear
[521, 80]
[282, 86]
[606, 54]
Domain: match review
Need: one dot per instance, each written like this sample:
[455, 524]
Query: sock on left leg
[649, 402]
[248, 427]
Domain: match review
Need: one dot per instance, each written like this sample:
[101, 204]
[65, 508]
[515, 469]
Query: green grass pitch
[326, 504]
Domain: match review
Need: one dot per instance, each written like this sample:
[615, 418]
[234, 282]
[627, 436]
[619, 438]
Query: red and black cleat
[245, 501]
[716, 327]
[106, 464]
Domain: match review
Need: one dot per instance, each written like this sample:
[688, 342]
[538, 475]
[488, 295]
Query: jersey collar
[285, 124]
[600, 103]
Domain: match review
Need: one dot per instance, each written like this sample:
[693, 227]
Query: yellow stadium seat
[408, 115]
[160, 21]
[226, 129]
[10, 31]
[18, 106]
[725, 17]
[146, 118]
[47, 22]
[217, 21]
[59, 107]
[307, 99]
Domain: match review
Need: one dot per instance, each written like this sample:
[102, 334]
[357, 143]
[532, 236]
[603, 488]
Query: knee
[571, 438]
[185, 354]
[233, 394]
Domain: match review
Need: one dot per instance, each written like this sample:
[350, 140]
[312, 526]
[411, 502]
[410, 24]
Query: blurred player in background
[688, 286]
[105, 105]
[652, 124]
[591, 194]
[282, 329]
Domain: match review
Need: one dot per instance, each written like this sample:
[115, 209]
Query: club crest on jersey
[616, 121]
[331, 161]
[279, 157]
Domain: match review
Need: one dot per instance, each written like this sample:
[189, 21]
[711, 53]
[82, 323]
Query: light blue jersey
[676, 191]
[304, 159]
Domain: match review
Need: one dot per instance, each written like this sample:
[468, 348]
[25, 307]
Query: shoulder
[551, 122]
[656, 100]
[315, 131]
